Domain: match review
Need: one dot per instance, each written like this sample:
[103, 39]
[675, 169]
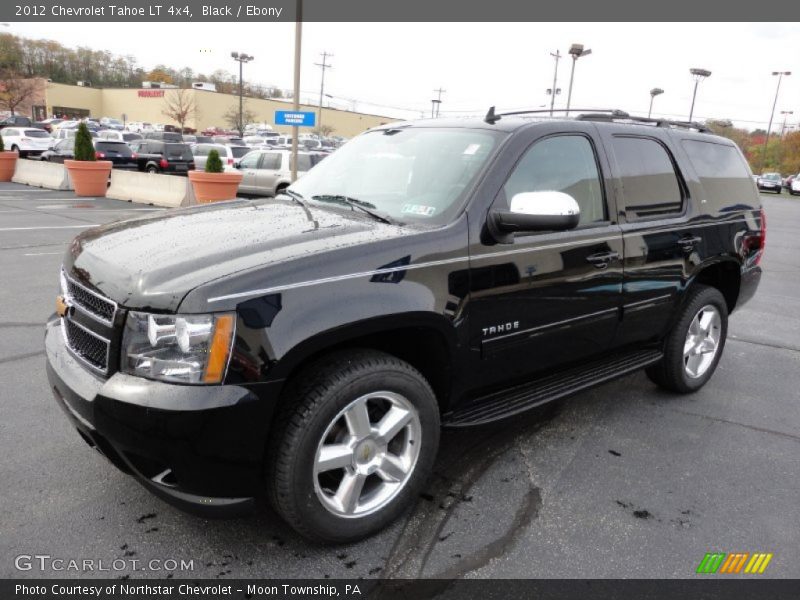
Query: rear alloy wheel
[694, 346]
[152, 169]
[353, 445]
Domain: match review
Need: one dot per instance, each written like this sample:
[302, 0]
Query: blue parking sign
[296, 118]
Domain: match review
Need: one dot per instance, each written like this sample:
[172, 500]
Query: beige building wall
[211, 108]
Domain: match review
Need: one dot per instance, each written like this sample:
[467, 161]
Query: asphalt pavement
[621, 481]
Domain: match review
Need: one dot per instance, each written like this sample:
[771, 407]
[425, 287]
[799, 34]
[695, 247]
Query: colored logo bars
[738, 562]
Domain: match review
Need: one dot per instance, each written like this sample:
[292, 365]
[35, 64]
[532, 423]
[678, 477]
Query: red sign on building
[151, 93]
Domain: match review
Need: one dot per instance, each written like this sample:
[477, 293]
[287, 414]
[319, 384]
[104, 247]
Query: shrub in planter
[8, 162]
[89, 175]
[214, 184]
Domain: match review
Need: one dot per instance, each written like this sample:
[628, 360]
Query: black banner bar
[711, 588]
[393, 11]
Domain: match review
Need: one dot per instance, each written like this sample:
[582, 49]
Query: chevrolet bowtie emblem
[61, 306]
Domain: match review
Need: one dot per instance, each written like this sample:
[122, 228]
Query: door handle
[601, 259]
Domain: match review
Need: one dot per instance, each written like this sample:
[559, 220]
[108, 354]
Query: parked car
[770, 182]
[156, 156]
[787, 181]
[119, 136]
[64, 133]
[111, 123]
[229, 140]
[16, 121]
[229, 154]
[794, 188]
[25, 140]
[119, 153]
[140, 126]
[189, 139]
[203, 139]
[164, 136]
[308, 348]
[49, 125]
[269, 172]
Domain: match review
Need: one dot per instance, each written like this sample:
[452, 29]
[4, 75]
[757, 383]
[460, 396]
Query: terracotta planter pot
[214, 187]
[8, 162]
[89, 177]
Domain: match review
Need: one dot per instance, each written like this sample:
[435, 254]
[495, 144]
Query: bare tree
[15, 91]
[232, 117]
[180, 106]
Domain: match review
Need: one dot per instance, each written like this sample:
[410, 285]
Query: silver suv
[268, 172]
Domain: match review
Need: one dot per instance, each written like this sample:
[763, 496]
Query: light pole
[653, 93]
[780, 75]
[698, 75]
[556, 57]
[241, 58]
[576, 51]
[298, 46]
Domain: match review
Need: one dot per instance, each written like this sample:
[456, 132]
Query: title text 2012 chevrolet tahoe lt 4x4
[308, 348]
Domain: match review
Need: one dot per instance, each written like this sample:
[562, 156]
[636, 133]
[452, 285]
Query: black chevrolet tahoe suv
[307, 349]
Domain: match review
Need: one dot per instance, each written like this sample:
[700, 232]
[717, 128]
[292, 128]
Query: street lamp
[556, 58]
[780, 75]
[576, 51]
[241, 58]
[653, 93]
[698, 75]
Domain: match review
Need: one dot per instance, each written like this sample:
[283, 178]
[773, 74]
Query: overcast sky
[398, 65]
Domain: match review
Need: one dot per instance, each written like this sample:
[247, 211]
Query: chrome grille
[87, 345]
[91, 302]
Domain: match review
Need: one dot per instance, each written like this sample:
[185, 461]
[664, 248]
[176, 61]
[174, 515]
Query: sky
[393, 68]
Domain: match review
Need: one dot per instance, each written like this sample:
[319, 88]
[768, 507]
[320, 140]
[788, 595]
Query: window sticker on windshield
[472, 149]
[419, 209]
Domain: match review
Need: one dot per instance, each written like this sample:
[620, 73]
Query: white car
[229, 154]
[140, 126]
[794, 189]
[113, 135]
[27, 141]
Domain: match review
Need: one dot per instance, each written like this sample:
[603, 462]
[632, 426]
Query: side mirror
[537, 211]
[237, 165]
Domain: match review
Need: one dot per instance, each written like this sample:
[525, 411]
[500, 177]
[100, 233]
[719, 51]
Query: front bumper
[200, 448]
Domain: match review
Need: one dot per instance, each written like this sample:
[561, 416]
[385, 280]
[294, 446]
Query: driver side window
[564, 163]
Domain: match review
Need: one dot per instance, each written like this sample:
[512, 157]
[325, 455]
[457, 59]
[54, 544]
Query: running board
[510, 402]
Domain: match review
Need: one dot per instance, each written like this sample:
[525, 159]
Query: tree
[15, 91]
[84, 149]
[231, 117]
[160, 74]
[180, 106]
[214, 162]
[324, 130]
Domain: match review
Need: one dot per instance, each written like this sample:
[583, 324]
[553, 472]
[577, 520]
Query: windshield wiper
[363, 206]
[294, 196]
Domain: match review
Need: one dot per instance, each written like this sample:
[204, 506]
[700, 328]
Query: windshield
[414, 174]
[771, 176]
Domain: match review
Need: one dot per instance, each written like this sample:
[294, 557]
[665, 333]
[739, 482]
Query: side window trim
[682, 186]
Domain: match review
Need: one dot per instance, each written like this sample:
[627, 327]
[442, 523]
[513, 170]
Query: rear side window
[239, 151]
[650, 185]
[723, 172]
[271, 160]
[178, 152]
[119, 147]
[37, 133]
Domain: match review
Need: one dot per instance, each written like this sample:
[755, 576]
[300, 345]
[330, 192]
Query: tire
[674, 371]
[152, 169]
[299, 486]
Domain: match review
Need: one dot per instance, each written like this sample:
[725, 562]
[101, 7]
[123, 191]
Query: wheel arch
[424, 340]
[723, 274]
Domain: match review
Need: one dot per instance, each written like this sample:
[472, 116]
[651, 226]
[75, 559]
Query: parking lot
[620, 481]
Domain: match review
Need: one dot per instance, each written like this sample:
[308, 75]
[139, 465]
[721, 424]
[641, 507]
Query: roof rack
[592, 114]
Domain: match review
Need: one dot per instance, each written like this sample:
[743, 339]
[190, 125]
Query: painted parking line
[51, 227]
[44, 254]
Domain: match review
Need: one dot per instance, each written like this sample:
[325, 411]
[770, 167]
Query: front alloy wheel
[367, 454]
[352, 446]
[702, 341]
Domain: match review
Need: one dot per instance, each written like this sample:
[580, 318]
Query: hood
[154, 261]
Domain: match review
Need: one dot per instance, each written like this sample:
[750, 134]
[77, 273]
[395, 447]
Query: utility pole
[323, 65]
[557, 57]
[436, 103]
[298, 45]
[780, 75]
[783, 127]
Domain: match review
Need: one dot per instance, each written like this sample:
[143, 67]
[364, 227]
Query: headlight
[179, 348]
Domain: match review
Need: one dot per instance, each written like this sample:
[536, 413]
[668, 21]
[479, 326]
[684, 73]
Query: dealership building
[149, 104]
